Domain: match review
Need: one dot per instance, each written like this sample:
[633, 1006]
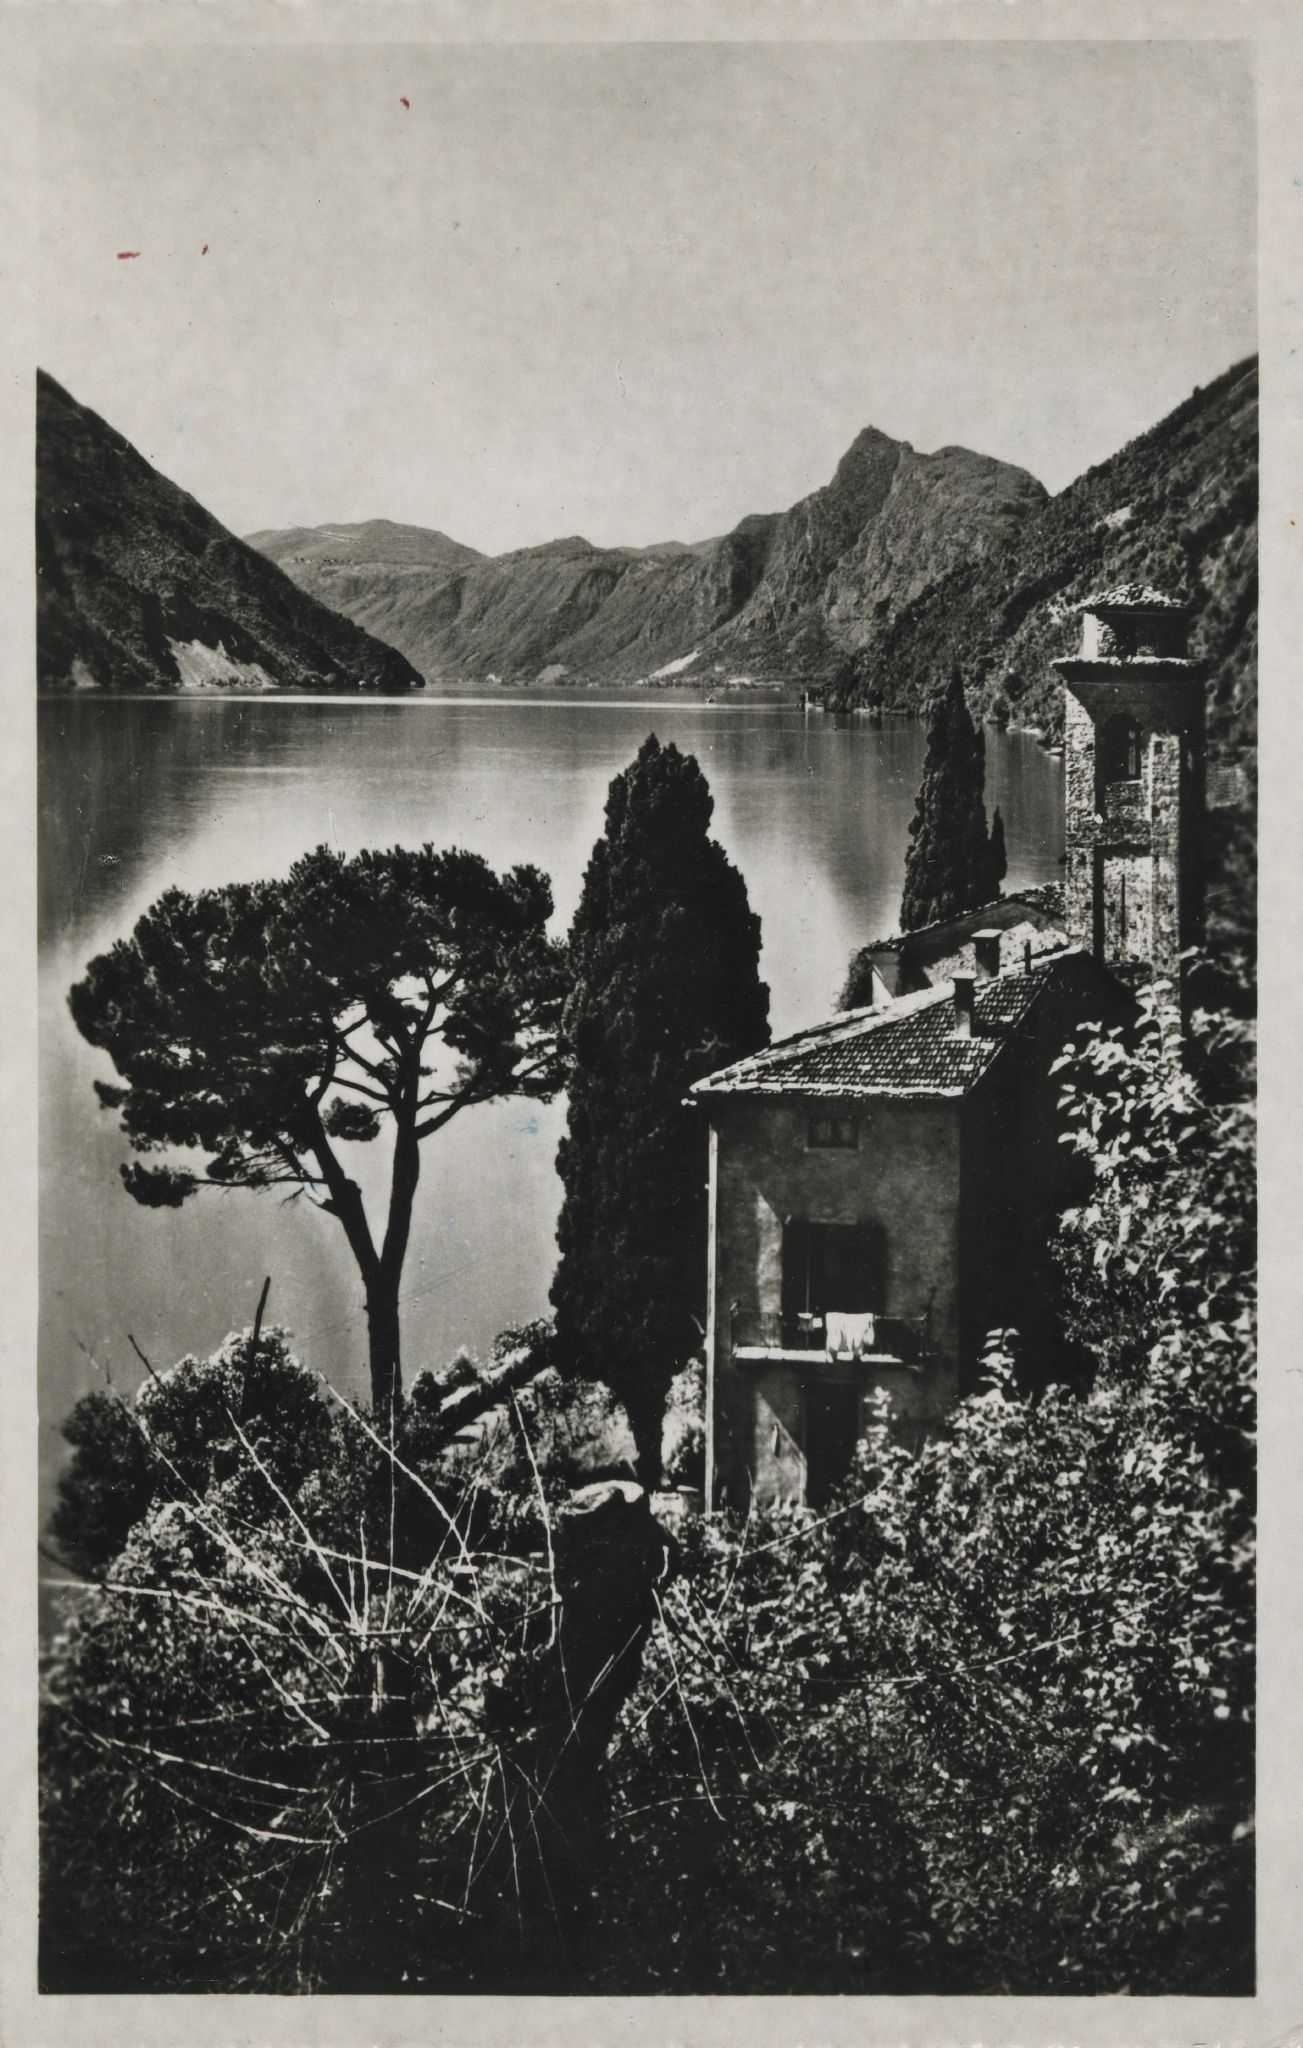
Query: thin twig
[262, 1303]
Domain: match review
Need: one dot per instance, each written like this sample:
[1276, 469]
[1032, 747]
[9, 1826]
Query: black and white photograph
[645, 968]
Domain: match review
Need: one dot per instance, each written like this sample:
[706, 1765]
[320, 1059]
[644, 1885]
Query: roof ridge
[1002, 1003]
[849, 1024]
[1031, 894]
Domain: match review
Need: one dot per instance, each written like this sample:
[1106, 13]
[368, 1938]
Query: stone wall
[1143, 838]
[905, 1178]
[1079, 891]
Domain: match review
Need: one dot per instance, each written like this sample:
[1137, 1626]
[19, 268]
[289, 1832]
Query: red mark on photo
[125, 254]
[403, 102]
[204, 250]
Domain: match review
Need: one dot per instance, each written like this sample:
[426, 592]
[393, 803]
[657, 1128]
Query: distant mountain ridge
[869, 589]
[1177, 507]
[782, 595]
[379, 542]
[138, 587]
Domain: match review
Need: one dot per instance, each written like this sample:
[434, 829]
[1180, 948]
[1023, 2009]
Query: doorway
[1128, 883]
[832, 1431]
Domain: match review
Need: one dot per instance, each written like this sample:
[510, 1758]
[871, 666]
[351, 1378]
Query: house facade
[883, 1186]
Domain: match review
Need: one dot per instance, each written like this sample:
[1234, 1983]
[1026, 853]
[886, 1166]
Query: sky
[633, 291]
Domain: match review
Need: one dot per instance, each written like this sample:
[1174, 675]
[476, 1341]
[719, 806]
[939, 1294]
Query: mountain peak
[871, 456]
[1176, 508]
[871, 437]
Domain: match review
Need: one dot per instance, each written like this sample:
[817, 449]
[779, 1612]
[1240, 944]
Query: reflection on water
[136, 795]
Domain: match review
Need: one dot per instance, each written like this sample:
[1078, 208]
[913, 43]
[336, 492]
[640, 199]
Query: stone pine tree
[273, 1025]
[953, 863]
[666, 987]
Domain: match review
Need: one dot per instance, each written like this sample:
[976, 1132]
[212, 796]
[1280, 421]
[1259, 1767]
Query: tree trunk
[536, 1892]
[385, 1350]
[383, 1285]
[498, 1384]
[645, 1408]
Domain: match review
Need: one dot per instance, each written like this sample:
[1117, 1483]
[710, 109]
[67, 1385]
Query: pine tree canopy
[953, 863]
[267, 1024]
[665, 954]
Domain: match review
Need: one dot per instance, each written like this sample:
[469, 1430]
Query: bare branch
[360, 1088]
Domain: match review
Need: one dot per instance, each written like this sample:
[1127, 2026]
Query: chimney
[888, 968]
[986, 952]
[963, 984]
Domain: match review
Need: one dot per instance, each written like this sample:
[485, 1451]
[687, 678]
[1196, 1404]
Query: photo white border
[1274, 2017]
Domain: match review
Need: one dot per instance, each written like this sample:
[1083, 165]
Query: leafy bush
[683, 1439]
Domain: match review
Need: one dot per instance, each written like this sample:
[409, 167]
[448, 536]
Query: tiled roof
[1133, 597]
[1046, 900]
[909, 1047]
[1114, 664]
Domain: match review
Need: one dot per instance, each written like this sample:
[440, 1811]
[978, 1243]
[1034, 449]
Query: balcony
[768, 1338]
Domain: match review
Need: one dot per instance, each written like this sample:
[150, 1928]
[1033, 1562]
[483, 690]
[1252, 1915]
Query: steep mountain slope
[781, 595]
[1176, 507]
[846, 559]
[138, 587]
[563, 606]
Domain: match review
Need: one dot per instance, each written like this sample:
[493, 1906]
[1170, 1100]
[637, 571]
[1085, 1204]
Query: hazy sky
[632, 291]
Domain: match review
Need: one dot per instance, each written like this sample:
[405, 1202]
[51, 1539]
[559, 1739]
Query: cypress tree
[999, 857]
[665, 954]
[952, 864]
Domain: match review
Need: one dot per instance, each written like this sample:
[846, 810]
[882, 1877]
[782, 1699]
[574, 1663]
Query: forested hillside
[1176, 507]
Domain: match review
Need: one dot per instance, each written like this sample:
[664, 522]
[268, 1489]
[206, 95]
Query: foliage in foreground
[987, 1725]
[333, 1717]
[330, 1714]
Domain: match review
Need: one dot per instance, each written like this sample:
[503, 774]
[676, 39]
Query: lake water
[136, 795]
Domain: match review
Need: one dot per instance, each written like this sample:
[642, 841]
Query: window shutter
[796, 1266]
[871, 1264]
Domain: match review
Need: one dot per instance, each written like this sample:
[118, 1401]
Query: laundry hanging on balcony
[849, 1336]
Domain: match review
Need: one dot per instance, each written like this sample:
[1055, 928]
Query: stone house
[883, 1185]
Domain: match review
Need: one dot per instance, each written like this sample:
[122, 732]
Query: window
[834, 1133]
[833, 1266]
[1120, 748]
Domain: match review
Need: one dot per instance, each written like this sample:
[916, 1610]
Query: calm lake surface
[136, 795]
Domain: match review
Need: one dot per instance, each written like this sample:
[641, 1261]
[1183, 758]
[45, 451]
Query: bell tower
[1135, 770]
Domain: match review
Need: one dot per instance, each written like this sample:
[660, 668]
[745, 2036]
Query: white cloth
[848, 1334]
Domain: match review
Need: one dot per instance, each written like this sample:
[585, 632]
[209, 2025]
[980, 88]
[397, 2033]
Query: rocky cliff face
[848, 558]
[138, 587]
[782, 595]
[1177, 507]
